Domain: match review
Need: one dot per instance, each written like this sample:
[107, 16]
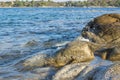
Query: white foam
[82, 39]
[62, 43]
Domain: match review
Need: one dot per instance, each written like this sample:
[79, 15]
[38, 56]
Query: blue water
[44, 26]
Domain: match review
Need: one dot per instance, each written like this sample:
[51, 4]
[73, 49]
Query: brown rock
[107, 19]
[112, 54]
[104, 30]
[76, 51]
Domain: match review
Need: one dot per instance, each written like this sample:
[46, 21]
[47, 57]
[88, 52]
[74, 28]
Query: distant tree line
[94, 3]
[42, 3]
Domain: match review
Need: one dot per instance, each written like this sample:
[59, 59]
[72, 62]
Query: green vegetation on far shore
[48, 3]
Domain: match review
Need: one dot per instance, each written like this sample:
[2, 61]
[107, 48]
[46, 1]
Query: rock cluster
[104, 41]
[103, 34]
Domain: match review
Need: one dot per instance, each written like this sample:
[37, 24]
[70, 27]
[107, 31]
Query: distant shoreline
[65, 7]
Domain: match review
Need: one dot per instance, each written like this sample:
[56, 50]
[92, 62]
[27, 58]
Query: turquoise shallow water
[48, 28]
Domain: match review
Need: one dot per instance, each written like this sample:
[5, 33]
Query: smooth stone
[90, 70]
[111, 72]
[69, 72]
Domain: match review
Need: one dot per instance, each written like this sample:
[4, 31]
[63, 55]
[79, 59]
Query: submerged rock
[31, 43]
[32, 62]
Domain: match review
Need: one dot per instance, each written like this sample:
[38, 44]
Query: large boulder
[104, 30]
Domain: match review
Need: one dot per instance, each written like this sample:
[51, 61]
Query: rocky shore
[94, 55]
